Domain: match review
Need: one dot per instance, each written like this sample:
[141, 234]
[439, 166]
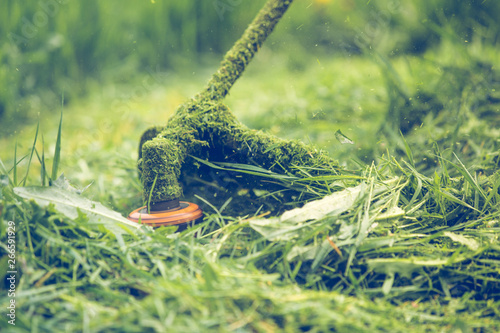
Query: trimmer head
[182, 215]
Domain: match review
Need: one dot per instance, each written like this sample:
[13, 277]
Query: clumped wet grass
[406, 240]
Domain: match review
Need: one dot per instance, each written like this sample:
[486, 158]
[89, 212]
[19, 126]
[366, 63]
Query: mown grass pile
[407, 240]
[390, 251]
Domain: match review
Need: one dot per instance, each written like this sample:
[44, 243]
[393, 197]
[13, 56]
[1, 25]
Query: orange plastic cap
[185, 213]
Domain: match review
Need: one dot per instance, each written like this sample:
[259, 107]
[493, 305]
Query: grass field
[407, 240]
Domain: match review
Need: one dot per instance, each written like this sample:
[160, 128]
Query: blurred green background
[50, 47]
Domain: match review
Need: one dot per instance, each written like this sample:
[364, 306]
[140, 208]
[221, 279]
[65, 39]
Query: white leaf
[68, 203]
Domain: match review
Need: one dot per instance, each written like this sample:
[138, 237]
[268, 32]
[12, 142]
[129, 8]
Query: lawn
[405, 239]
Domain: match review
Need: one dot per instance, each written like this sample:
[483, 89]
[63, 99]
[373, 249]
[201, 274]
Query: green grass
[407, 241]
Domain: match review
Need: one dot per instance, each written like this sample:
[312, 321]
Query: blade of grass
[43, 168]
[5, 172]
[408, 150]
[450, 197]
[441, 160]
[57, 149]
[15, 164]
[151, 194]
[468, 177]
[493, 193]
[211, 206]
[244, 168]
[42, 163]
[364, 222]
[31, 154]
[417, 192]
